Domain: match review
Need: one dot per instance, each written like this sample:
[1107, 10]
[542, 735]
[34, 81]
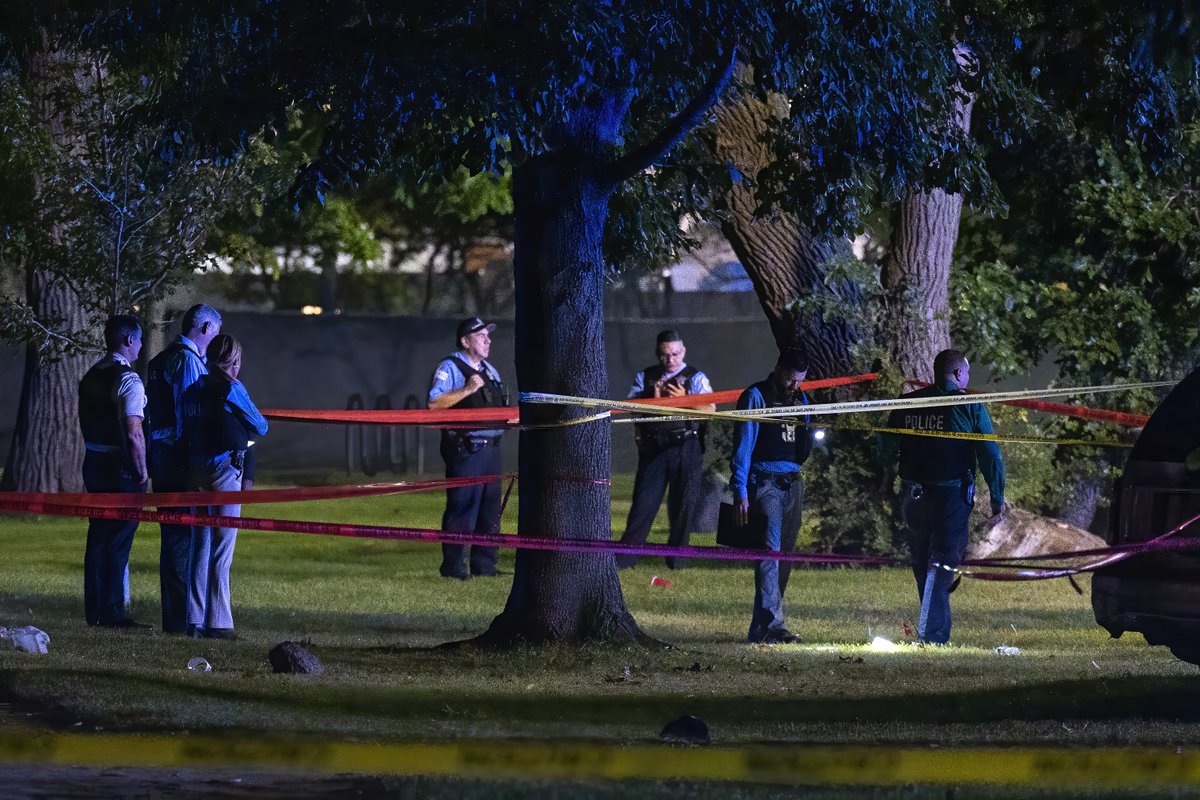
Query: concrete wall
[293, 361]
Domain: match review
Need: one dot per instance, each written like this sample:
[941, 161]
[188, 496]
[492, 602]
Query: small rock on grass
[293, 657]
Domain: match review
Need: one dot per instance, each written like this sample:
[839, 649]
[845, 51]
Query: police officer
[766, 463]
[937, 485]
[112, 405]
[669, 453]
[466, 380]
[170, 374]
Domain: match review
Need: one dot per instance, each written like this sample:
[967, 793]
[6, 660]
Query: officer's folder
[751, 536]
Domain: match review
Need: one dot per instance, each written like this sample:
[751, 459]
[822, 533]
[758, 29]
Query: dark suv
[1157, 594]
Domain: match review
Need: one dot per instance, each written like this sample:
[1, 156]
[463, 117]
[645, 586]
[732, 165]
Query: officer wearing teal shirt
[937, 485]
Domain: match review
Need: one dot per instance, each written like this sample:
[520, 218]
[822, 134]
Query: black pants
[106, 554]
[675, 467]
[169, 471]
[471, 509]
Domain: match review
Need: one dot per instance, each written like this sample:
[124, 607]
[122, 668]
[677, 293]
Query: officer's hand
[674, 389]
[741, 512]
[474, 383]
[145, 483]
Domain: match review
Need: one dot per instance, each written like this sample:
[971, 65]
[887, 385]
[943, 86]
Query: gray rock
[293, 657]
[688, 730]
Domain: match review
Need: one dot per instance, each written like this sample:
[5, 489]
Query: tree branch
[645, 156]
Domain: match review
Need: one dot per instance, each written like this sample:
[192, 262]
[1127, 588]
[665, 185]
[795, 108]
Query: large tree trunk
[916, 279]
[46, 453]
[560, 210]
[916, 275]
[783, 258]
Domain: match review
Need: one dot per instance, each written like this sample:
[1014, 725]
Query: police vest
[490, 395]
[651, 376]
[160, 391]
[932, 459]
[101, 418]
[776, 442]
[219, 430]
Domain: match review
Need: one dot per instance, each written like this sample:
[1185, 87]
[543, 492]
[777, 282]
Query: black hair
[792, 359]
[118, 327]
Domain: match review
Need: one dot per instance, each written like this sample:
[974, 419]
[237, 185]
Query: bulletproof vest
[100, 416]
[651, 376]
[160, 394]
[776, 442]
[219, 430]
[491, 395]
[932, 458]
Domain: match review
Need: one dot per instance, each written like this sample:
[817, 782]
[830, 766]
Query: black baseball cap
[473, 325]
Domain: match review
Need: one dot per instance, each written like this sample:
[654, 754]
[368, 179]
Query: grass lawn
[371, 610]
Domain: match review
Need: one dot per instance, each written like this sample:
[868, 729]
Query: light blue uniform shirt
[699, 383]
[447, 377]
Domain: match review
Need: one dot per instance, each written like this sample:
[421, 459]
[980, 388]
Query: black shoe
[676, 563]
[780, 637]
[126, 624]
[460, 574]
[219, 633]
[489, 572]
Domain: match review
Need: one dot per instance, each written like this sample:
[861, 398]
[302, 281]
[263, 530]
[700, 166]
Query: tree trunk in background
[46, 453]
[1086, 492]
[784, 260]
[916, 280]
[560, 209]
[916, 273]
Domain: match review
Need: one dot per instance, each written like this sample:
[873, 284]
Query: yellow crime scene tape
[792, 415]
[828, 409]
[589, 760]
[975, 437]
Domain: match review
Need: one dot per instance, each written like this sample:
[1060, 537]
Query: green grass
[371, 610]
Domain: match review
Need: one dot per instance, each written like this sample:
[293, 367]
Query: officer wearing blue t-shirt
[467, 380]
[937, 485]
[766, 463]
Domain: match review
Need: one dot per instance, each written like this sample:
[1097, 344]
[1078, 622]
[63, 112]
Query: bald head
[951, 366]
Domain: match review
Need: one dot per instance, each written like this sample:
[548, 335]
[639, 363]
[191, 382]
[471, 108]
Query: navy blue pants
[169, 471]
[937, 524]
[471, 509]
[106, 554]
[674, 470]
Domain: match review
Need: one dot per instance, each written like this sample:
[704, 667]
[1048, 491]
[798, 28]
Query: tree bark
[46, 453]
[560, 208]
[916, 280]
[916, 273]
[783, 258]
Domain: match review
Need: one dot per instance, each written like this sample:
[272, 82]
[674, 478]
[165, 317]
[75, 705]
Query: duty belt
[96, 447]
